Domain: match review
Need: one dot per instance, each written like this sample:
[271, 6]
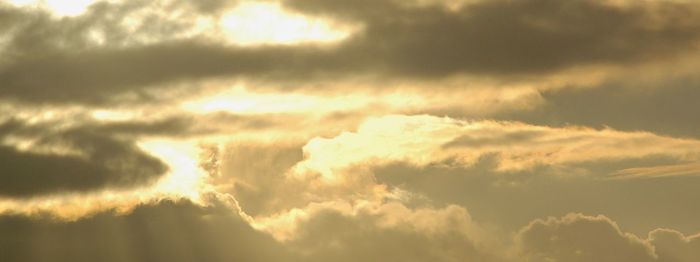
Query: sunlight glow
[186, 177]
[239, 100]
[253, 23]
[57, 7]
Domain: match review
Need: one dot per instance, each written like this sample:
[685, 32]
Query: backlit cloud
[331, 130]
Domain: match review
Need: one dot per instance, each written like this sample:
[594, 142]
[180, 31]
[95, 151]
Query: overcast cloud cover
[335, 130]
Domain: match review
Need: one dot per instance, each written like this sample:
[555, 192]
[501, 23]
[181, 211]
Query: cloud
[582, 238]
[98, 76]
[422, 140]
[154, 122]
[253, 173]
[183, 124]
[391, 232]
[71, 160]
[511, 199]
[672, 245]
[165, 231]
[511, 37]
[456, 161]
[508, 172]
[127, 49]
[183, 231]
[576, 237]
[692, 169]
[534, 37]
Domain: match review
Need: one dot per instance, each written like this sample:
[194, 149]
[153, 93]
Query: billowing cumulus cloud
[432, 235]
[577, 237]
[580, 238]
[672, 245]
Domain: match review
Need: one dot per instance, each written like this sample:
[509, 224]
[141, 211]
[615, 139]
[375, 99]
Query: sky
[334, 130]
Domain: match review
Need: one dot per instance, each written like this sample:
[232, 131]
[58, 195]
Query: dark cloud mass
[104, 155]
[163, 232]
[512, 37]
[97, 75]
[397, 40]
[332, 236]
[186, 232]
[104, 162]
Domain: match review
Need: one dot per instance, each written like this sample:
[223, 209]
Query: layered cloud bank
[324, 130]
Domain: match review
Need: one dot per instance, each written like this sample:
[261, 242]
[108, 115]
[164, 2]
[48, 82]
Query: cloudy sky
[338, 130]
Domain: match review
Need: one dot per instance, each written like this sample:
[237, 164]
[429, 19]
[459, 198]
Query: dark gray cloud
[107, 154]
[104, 162]
[184, 232]
[330, 236]
[54, 61]
[163, 232]
[57, 60]
[181, 231]
[510, 37]
[96, 76]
